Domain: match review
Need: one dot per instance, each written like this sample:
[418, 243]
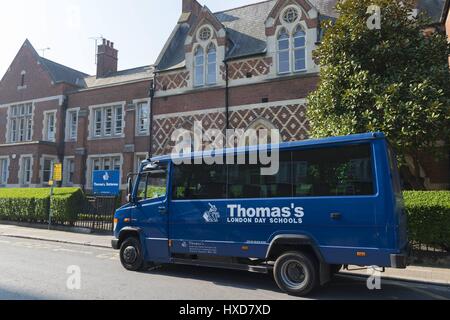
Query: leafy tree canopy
[394, 79]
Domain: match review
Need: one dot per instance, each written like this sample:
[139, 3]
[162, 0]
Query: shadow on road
[8, 294]
[342, 287]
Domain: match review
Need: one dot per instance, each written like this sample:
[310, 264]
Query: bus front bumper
[115, 244]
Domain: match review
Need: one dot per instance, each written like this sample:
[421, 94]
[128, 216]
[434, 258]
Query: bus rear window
[342, 171]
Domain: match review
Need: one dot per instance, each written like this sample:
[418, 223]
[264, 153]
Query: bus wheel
[131, 255]
[296, 273]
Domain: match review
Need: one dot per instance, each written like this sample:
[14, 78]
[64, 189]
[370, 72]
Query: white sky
[139, 28]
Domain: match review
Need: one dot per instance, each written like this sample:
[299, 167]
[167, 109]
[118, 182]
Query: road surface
[37, 270]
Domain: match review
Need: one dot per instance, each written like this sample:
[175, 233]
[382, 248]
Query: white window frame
[97, 129]
[4, 175]
[207, 64]
[279, 52]
[66, 171]
[199, 66]
[295, 49]
[102, 157]
[72, 135]
[45, 128]
[25, 118]
[139, 131]
[138, 156]
[21, 173]
[45, 157]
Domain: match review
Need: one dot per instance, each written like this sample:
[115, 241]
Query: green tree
[394, 79]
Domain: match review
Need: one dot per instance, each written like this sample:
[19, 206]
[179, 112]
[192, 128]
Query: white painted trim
[135, 162]
[66, 172]
[91, 121]
[8, 129]
[60, 98]
[41, 165]
[45, 123]
[89, 166]
[136, 102]
[232, 109]
[8, 164]
[67, 125]
[20, 172]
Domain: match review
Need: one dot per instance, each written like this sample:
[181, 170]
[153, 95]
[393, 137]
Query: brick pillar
[80, 149]
[130, 140]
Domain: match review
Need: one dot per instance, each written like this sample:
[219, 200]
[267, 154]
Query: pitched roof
[60, 73]
[245, 28]
[119, 77]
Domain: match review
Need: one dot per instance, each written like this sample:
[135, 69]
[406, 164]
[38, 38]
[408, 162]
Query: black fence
[98, 214]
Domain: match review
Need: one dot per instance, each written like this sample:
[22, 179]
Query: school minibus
[332, 203]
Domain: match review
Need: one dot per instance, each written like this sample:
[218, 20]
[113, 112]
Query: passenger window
[341, 171]
[246, 181]
[200, 182]
[152, 187]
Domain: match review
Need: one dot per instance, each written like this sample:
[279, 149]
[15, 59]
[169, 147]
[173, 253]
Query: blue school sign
[106, 183]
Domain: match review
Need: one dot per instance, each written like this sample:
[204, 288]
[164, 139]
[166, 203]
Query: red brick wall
[38, 82]
[276, 90]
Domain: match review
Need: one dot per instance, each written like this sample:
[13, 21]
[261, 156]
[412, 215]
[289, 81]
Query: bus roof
[282, 146]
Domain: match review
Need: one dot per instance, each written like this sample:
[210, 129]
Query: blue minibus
[333, 202]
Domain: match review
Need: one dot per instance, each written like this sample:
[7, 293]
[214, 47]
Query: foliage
[394, 80]
[429, 218]
[32, 205]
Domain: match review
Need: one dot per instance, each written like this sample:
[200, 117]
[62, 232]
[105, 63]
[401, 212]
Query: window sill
[106, 138]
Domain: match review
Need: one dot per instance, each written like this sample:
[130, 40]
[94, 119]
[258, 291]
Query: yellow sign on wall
[57, 172]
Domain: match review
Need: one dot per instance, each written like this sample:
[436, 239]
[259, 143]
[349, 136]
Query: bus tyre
[296, 273]
[131, 255]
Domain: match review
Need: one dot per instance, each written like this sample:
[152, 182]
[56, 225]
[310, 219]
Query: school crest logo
[212, 215]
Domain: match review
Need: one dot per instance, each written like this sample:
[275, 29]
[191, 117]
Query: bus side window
[339, 171]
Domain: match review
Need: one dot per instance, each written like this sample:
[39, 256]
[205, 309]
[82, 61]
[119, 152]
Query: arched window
[299, 49]
[291, 51]
[199, 67]
[211, 76]
[283, 52]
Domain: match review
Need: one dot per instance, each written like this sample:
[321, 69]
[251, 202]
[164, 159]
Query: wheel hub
[293, 274]
[130, 254]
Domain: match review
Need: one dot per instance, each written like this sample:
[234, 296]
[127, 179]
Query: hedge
[31, 205]
[429, 217]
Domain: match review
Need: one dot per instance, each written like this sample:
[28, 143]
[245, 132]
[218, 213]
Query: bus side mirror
[130, 190]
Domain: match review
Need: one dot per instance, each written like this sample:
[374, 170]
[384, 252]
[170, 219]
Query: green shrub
[429, 217]
[32, 205]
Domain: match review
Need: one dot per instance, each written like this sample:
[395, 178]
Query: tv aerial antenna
[44, 50]
[96, 40]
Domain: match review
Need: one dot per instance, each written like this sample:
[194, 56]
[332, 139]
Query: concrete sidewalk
[102, 241]
[412, 273]
[440, 276]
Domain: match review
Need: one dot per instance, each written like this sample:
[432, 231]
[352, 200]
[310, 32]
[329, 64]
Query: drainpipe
[62, 127]
[151, 96]
[227, 96]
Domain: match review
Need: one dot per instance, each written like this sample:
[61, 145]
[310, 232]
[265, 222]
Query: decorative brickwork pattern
[289, 119]
[248, 68]
[172, 81]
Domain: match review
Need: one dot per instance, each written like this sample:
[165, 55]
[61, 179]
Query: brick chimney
[107, 58]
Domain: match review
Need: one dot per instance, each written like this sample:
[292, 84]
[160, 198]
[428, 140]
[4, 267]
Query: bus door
[150, 214]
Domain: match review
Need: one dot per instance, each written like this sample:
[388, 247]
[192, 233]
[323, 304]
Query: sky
[139, 28]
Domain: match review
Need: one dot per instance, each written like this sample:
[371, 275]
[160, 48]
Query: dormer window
[205, 65]
[199, 66]
[291, 50]
[211, 76]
